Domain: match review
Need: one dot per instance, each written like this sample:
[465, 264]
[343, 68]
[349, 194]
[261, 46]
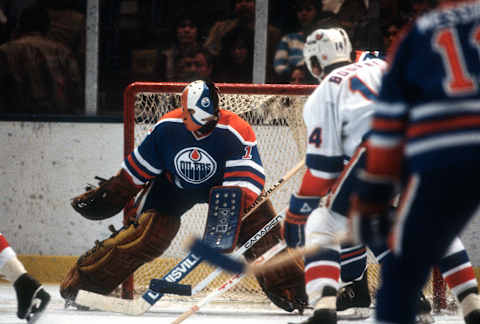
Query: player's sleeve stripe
[389, 125]
[446, 125]
[154, 171]
[135, 179]
[382, 141]
[250, 170]
[139, 169]
[444, 108]
[384, 161]
[245, 163]
[243, 184]
[315, 186]
[245, 175]
[329, 164]
[389, 109]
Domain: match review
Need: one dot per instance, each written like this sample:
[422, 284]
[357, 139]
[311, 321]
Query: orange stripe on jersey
[352, 254]
[176, 113]
[460, 277]
[387, 124]
[313, 186]
[322, 272]
[444, 125]
[137, 169]
[244, 174]
[384, 162]
[241, 126]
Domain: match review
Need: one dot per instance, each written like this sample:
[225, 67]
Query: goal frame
[129, 99]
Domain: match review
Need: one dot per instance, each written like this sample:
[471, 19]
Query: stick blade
[136, 306]
[213, 256]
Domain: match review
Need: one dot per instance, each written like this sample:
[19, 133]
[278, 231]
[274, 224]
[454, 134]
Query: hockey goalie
[198, 153]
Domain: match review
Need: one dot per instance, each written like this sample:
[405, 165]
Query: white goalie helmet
[325, 47]
[200, 104]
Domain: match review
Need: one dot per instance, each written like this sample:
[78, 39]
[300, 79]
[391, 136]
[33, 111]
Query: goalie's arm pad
[108, 199]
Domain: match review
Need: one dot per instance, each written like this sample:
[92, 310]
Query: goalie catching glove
[108, 199]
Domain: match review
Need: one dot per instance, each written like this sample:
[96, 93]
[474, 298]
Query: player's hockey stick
[139, 306]
[230, 283]
[230, 264]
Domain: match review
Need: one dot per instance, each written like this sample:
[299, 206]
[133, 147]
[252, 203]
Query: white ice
[168, 312]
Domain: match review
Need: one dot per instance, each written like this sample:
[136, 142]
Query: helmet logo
[205, 102]
[319, 36]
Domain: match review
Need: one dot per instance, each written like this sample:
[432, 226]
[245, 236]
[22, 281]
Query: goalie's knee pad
[285, 286]
[110, 262]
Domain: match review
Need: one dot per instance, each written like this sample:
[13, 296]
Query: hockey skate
[424, 310]
[353, 300]
[325, 312]
[471, 308]
[321, 316]
[31, 297]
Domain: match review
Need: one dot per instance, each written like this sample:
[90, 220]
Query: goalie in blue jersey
[195, 154]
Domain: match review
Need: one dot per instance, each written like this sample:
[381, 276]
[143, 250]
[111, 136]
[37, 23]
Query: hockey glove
[297, 215]
[370, 213]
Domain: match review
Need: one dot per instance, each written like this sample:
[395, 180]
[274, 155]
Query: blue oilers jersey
[228, 156]
[428, 110]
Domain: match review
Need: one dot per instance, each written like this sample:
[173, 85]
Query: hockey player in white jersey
[337, 116]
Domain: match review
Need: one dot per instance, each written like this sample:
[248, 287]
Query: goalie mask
[200, 106]
[325, 47]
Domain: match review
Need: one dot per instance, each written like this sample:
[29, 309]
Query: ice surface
[166, 312]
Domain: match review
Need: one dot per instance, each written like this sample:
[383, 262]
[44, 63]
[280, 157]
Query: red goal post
[268, 107]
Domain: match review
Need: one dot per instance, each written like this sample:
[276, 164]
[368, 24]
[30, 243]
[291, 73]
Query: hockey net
[275, 113]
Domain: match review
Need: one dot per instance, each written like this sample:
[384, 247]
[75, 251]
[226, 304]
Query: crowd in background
[42, 44]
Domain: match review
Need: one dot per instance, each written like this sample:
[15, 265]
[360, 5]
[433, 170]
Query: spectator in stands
[390, 33]
[235, 63]
[359, 18]
[68, 27]
[38, 75]
[289, 53]
[244, 19]
[300, 75]
[194, 65]
[186, 39]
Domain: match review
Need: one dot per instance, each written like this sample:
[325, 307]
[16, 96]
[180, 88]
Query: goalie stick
[230, 283]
